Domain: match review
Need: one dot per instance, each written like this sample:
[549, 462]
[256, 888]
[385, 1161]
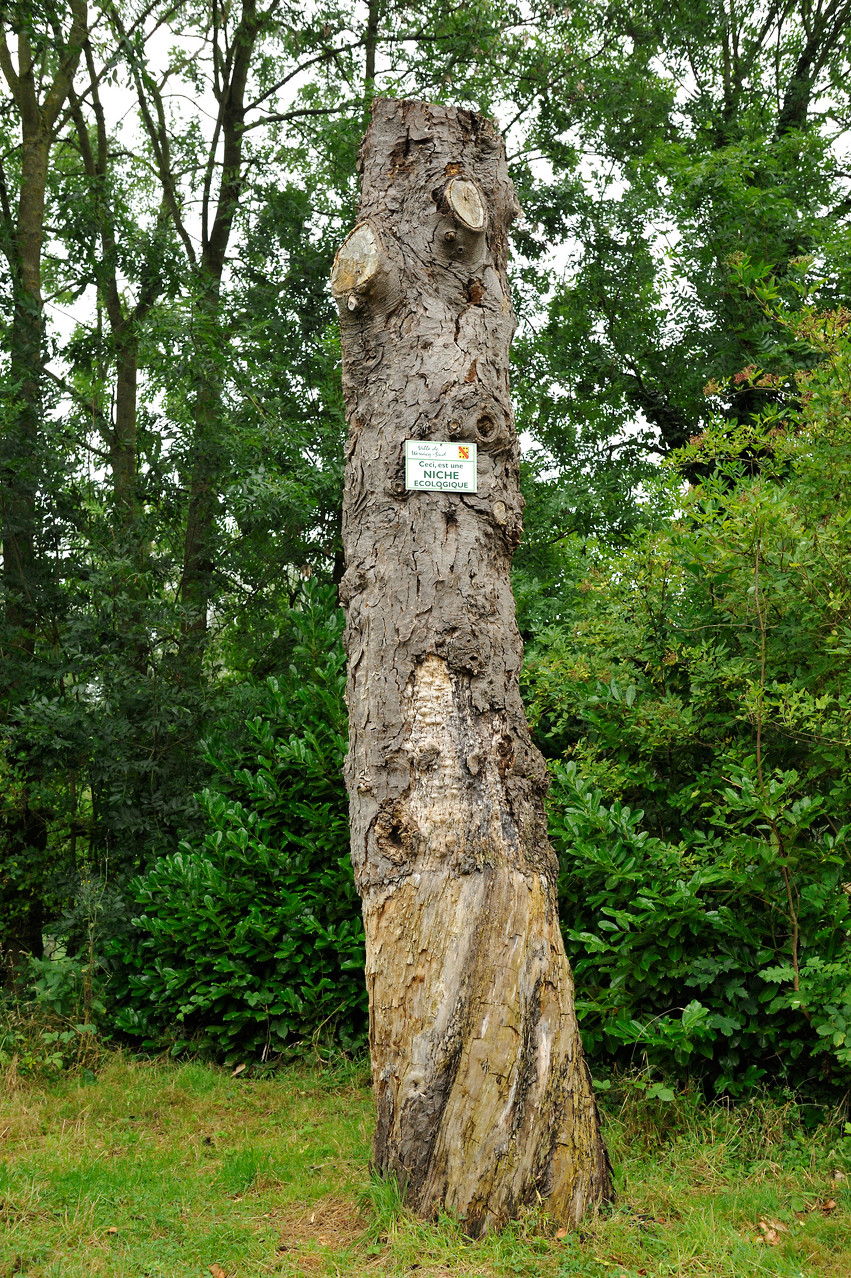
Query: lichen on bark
[484, 1101]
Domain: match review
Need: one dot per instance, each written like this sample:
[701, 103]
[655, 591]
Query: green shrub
[681, 955]
[697, 687]
[253, 941]
[53, 1022]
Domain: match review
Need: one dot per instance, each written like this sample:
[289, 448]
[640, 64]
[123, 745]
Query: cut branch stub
[356, 263]
[465, 204]
[484, 1100]
[362, 270]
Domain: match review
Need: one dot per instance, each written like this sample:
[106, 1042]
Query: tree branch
[157, 133]
[281, 117]
[58, 92]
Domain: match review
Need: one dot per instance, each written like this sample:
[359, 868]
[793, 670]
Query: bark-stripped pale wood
[484, 1099]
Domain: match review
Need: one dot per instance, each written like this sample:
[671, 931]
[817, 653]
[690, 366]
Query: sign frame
[450, 470]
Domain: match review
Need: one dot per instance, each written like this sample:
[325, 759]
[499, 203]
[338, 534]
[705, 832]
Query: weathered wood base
[483, 1096]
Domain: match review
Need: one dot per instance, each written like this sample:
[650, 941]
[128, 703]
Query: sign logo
[463, 452]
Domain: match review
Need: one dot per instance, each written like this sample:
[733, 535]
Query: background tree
[694, 691]
[39, 79]
[678, 143]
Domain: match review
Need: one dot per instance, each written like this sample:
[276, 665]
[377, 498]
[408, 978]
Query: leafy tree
[39, 77]
[699, 691]
[680, 140]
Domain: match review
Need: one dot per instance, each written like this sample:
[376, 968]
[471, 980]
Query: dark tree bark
[484, 1098]
[38, 117]
[208, 458]
[119, 430]
[370, 48]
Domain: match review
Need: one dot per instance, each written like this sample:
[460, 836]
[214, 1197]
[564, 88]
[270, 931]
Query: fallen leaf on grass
[828, 1205]
[238, 1070]
[217, 1271]
[113, 1229]
[562, 1233]
[839, 1175]
[771, 1231]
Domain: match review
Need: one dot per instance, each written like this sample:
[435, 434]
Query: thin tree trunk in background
[123, 321]
[206, 476]
[233, 54]
[370, 48]
[20, 444]
[23, 833]
[125, 325]
[22, 416]
[484, 1098]
[123, 460]
[209, 452]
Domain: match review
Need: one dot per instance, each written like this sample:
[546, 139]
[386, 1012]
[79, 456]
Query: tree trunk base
[475, 1059]
[484, 1099]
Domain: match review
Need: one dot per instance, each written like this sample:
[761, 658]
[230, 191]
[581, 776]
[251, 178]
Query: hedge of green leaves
[681, 955]
[697, 688]
[252, 940]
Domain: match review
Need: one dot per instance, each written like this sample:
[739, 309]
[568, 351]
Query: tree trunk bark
[123, 460]
[207, 466]
[20, 444]
[484, 1098]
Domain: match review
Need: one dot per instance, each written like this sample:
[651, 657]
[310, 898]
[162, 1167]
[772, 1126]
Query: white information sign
[440, 466]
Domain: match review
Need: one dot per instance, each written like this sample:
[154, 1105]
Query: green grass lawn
[166, 1171]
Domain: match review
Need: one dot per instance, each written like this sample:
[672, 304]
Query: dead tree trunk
[484, 1098]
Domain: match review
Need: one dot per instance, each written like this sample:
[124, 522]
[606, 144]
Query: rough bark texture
[484, 1099]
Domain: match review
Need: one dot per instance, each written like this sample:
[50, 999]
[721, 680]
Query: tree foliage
[174, 179]
[249, 939]
[697, 683]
